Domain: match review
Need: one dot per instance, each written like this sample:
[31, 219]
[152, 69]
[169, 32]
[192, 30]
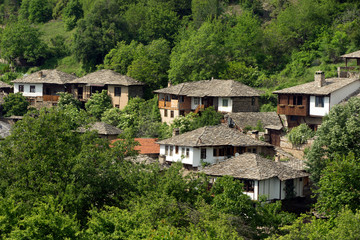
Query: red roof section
[147, 145]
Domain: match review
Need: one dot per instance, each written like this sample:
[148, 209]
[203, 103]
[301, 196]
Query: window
[166, 150]
[171, 150]
[165, 113]
[21, 88]
[221, 152]
[218, 152]
[203, 153]
[32, 88]
[215, 152]
[299, 100]
[172, 114]
[187, 152]
[293, 118]
[319, 101]
[225, 102]
[177, 149]
[183, 151]
[252, 101]
[196, 100]
[117, 91]
[181, 99]
[248, 185]
[117, 105]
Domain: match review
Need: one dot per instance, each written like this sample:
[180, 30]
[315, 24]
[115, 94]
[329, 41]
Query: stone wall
[244, 104]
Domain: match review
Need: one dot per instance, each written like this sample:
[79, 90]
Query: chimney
[176, 131]
[319, 78]
[169, 84]
[40, 74]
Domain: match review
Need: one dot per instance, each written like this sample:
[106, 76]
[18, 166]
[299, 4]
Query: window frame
[319, 101]
[21, 88]
[225, 100]
[32, 88]
[203, 153]
[117, 91]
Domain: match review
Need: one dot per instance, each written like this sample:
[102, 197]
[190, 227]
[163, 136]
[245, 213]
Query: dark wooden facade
[293, 105]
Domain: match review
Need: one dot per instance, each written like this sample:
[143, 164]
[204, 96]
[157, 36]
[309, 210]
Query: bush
[300, 134]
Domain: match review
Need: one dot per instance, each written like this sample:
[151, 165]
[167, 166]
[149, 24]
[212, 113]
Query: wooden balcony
[293, 110]
[169, 105]
[48, 98]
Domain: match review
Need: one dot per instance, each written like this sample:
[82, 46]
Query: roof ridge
[199, 138]
[182, 86]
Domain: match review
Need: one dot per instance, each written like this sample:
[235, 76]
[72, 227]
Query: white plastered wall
[319, 111]
[38, 89]
[342, 93]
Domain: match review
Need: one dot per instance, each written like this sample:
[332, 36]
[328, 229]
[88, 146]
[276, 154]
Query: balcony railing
[50, 98]
[294, 110]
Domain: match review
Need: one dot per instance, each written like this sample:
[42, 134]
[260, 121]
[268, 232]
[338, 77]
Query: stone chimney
[176, 131]
[40, 74]
[169, 84]
[319, 78]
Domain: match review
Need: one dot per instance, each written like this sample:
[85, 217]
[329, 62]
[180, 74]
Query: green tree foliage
[339, 186]
[15, 104]
[150, 20]
[72, 13]
[300, 134]
[146, 63]
[337, 136]
[191, 121]
[139, 118]
[203, 10]
[36, 11]
[47, 220]
[99, 32]
[98, 104]
[344, 226]
[199, 53]
[14, 46]
[45, 156]
[68, 99]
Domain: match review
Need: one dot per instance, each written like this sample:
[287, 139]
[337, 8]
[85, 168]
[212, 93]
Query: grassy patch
[53, 28]
[70, 65]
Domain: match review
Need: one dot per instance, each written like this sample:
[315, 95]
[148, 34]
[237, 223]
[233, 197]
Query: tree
[36, 11]
[337, 136]
[339, 186]
[203, 10]
[14, 46]
[150, 20]
[199, 54]
[98, 104]
[99, 32]
[68, 99]
[45, 156]
[72, 13]
[15, 104]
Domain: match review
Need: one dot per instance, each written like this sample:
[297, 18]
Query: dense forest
[58, 184]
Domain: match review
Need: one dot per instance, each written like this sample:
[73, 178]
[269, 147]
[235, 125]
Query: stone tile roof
[268, 119]
[47, 76]
[5, 85]
[5, 129]
[102, 129]
[213, 136]
[352, 55]
[211, 88]
[147, 146]
[311, 88]
[253, 166]
[107, 77]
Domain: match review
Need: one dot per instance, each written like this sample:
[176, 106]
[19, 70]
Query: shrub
[300, 134]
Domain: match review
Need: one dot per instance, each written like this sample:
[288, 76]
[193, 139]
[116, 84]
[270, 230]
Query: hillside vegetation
[268, 44]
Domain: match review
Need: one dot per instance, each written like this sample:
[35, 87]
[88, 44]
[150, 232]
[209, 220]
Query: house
[271, 122]
[210, 144]
[224, 95]
[147, 146]
[42, 88]
[5, 88]
[310, 102]
[261, 176]
[104, 130]
[119, 87]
